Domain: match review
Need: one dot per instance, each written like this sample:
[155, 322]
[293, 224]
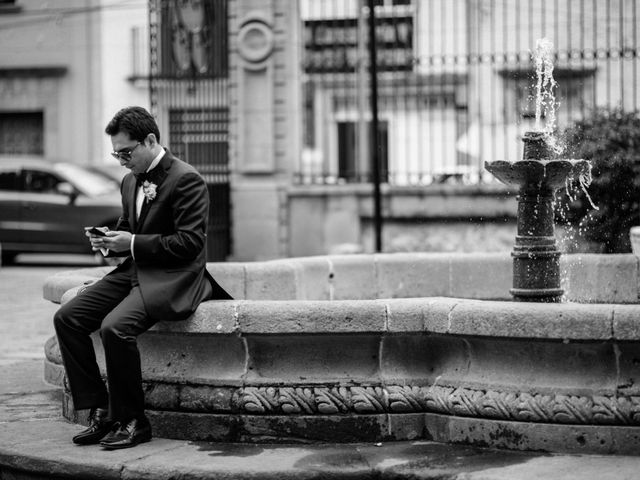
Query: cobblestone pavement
[25, 317]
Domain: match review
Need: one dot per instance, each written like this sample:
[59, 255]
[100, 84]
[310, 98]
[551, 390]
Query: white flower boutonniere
[149, 190]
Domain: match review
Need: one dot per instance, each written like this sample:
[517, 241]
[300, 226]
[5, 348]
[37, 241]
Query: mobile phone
[95, 231]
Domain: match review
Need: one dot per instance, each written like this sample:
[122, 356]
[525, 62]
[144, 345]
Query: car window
[87, 182]
[9, 180]
[40, 182]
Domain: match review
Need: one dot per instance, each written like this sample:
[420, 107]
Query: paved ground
[25, 317]
[34, 438]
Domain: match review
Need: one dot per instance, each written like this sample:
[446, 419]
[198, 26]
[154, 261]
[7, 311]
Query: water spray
[546, 85]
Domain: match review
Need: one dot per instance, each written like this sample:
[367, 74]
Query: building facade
[64, 72]
[271, 101]
[457, 81]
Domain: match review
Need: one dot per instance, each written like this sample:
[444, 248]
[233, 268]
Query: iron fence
[188, 85]
[455, 81]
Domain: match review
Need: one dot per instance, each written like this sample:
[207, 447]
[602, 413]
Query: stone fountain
[373, 348]
[536, 258]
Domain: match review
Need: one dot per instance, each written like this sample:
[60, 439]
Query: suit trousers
[114, 306]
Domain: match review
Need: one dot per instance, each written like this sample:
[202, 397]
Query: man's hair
[135, 121]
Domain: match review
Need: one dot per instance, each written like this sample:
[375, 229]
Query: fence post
[363, 164]
[375, 147]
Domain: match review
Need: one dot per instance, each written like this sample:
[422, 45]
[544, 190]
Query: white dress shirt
[140, 194]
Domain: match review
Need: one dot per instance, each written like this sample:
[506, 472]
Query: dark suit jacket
[170, 239]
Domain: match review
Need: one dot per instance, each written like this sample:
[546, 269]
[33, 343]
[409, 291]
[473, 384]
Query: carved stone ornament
[255, 42]
[448, 400]
[516, 406]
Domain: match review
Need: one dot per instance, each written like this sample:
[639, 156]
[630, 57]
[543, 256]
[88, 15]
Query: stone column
[265, 123]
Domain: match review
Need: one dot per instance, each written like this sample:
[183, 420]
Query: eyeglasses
[125, 154]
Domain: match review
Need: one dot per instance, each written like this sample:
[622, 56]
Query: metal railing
[455, 81]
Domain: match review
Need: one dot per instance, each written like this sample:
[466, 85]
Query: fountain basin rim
[542, 161]
[562, 321]
[587, 278]
[538, 174]
[428, 315]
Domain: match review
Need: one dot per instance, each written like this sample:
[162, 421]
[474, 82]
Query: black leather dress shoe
[128, 434]
[99, 426]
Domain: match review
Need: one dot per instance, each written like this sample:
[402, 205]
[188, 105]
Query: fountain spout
[536, 147]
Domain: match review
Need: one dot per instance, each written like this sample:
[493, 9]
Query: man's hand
[114, 240]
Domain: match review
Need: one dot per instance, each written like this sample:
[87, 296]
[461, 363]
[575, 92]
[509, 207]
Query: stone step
[42, 449]
[35, 445]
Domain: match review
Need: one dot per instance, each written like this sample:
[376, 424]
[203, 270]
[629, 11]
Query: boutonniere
[149, 190]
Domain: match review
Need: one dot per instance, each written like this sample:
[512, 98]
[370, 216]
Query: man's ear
[151, 139]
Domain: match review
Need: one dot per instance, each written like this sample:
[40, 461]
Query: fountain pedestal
[536, 258]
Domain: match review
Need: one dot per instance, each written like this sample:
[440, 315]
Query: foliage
[611, 140]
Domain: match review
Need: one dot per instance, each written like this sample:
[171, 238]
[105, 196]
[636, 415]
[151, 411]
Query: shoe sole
[84, 443]
[126, 445]
[87, 440]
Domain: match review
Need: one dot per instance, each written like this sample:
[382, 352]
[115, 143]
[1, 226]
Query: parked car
[44, 206]
[115, 171]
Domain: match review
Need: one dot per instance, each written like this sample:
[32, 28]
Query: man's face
[134, 155]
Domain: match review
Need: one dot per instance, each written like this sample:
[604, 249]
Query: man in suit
[162, 234]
